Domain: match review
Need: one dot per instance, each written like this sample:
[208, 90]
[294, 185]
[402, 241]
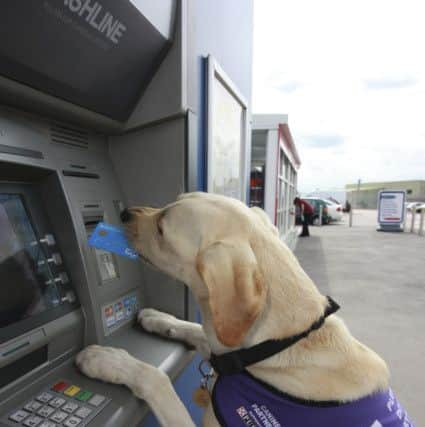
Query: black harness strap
[236, 361]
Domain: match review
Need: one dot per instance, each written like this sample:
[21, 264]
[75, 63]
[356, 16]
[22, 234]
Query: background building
[274, 167]
[365, 194]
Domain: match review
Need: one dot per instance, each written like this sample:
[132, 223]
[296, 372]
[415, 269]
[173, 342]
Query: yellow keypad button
[72, 391]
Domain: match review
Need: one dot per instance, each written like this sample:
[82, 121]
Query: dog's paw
[108, 364]
[158, 322]
[115, 365]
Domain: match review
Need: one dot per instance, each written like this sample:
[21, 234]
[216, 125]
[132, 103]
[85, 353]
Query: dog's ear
[236, 291]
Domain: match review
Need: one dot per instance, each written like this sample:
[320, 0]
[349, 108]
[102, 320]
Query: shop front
[274, 167]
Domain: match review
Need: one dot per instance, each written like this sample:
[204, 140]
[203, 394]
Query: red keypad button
[60, 386]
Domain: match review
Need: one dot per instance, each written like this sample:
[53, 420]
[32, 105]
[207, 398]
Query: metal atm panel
[87, 177]
[74, 186]
[85, 48]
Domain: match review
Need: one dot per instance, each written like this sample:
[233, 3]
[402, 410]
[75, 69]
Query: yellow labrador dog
[250, 288]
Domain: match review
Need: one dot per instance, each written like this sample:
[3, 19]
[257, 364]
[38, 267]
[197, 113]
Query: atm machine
[92, 119]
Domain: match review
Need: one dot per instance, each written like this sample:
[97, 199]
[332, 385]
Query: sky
[351, 77]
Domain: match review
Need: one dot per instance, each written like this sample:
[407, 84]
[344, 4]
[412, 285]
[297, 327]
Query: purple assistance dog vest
[240, 400]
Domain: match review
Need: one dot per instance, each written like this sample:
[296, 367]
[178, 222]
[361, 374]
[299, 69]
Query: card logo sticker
[109, 316]
[119, 311]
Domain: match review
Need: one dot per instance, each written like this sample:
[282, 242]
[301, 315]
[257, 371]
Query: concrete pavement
[379, 280]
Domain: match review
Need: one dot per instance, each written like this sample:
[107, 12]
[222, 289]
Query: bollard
[320, 215]
[350, 218]
[421, 222]
[412, 226]
[405, 218]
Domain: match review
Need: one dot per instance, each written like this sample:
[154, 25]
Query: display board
[226, 135]
[391, 210]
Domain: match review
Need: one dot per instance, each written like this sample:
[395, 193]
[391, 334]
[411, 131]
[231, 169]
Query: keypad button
[72, 391]
[47, 423]
[97, 400]
[70, 407]
[57, 402]
[84, 395]
[44, 397]
[46, 411]
[33, 406]
[33, 421]
[83, 412]
[72, 422]
[19, 416]
[59, 416]
[60, 386]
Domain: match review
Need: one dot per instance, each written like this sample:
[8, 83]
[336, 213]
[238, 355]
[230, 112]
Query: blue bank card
[111, 238]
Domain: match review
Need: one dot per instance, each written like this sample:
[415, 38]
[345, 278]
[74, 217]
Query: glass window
[288, 168]
[226, 147]
[226, 137]
[282, 163]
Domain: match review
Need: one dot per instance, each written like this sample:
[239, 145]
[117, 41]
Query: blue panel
[202, 125]
[185, 385]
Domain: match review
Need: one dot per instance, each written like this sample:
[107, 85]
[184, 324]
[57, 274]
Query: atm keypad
[33, 406]
[97, 400]
[44, 397]
[72, 422]
[46, 411]
[59, 416]
[33, 421]
[70, 407]
[19, 416]
[71, 391]
[57, 402]
[62, 405]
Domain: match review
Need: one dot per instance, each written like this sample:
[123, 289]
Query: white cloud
[351, 77]
[390, 83]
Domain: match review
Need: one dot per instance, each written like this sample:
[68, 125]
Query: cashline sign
[98, 54]
[391, 209]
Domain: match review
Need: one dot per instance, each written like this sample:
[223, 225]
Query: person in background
[347, 206]
[306, 214]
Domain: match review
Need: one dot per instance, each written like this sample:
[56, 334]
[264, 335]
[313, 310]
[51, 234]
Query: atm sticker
[128, 307]
[119, 311]
[134, 303]
[109, 316]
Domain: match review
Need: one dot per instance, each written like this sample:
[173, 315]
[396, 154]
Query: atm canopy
[97, 54]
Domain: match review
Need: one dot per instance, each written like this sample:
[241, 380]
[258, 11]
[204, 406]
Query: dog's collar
[236, 361]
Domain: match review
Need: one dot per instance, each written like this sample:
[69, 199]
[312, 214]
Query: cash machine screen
[27, 285]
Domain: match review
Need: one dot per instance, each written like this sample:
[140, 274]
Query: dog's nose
[125, 215]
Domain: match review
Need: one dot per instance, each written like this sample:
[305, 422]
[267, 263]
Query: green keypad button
[84, 395]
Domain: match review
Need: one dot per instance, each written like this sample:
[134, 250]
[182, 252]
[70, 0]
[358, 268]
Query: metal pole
[320, 215]
[412, 225]
[358, 193]
[421, 222]
[350, 217]
[405, 219]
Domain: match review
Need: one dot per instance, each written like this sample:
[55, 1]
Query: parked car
[420, 208]
[315, 203]
[412, 205]
[334, 210]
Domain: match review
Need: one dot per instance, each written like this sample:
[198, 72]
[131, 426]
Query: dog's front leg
[169, 326]
[145, 381]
